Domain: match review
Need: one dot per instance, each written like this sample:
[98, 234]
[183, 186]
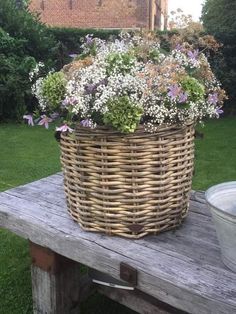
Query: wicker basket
[128, 185]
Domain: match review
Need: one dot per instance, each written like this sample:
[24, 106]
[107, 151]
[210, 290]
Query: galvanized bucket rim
[216, 188]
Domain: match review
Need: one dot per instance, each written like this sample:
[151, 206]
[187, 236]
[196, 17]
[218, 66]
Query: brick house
[125, 14]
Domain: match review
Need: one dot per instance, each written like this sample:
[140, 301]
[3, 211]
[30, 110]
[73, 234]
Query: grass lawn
[28, 154]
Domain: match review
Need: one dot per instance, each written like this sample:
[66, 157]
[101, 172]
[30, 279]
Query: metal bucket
[221, 200]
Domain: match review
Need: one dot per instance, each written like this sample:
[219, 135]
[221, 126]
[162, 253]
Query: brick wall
[93, 13]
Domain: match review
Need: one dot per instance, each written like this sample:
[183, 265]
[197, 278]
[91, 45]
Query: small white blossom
[154, 84]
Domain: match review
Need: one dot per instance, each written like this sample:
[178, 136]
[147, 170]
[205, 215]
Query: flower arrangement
[128, 82]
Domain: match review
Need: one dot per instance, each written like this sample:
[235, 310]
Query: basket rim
[140, 131]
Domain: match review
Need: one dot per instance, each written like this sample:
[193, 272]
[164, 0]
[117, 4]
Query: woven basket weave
[128, 185]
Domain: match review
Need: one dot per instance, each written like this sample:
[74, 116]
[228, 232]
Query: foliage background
[24, 40]
[219, 19]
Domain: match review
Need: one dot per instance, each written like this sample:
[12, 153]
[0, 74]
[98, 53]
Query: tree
[218, 18]
[24, 40]
[20, 23]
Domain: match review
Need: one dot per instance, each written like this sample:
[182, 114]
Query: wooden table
[181, 268]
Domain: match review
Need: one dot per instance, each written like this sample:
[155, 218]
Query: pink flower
[64, 128]
[45, 121]
[29, 118]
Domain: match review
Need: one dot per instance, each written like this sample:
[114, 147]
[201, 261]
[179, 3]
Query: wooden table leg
[55, 282]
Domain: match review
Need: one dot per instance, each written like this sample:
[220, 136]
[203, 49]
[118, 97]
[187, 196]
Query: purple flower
[73, 55]
[29, 118]
[183, 97]
[64, 128]
[104, 82]
[219, 111]
[55, 115]
[68, 101]
[174, 91]
[89, 39]
[179, 47]
[87, 123]
[45, 121]
[90, 88]
[213, 98]
[193, 54]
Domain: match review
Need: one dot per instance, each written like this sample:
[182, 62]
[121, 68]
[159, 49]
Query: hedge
[70, 39]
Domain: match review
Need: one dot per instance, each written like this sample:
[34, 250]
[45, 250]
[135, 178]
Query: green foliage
[120, 62]
[21, 24]
[194, 88]
[224, 65]
[23, 42]
[154, 55]
[218, 17]
[72, 38]
[53, 89]
[9, 44]
[14, 83]
[123, 115]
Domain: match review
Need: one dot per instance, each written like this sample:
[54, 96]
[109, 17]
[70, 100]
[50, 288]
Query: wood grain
[137, 301]
[182, 268]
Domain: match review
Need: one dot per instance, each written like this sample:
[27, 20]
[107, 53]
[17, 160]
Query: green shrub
[71, 38]
[218, 17]
[194, 89]
[53, 89]
[224, 66]
[121, 62]
[23, 25]
[23, 42]
[14, 82]
[123, 115]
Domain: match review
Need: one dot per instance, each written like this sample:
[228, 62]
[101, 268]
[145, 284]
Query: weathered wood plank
[200, 251]
[54, 197]
[187, 232]
[55, 282]
[198, 196]
[172, 276]
[156, 279]
[137, 301]
[42, 191]
[171, 243]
